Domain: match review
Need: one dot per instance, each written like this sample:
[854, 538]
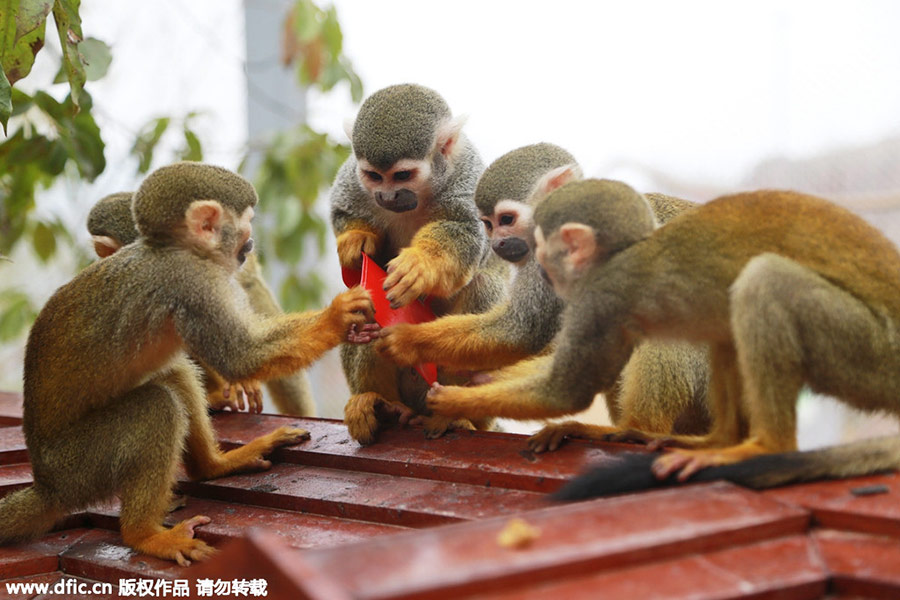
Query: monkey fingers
[553, 435]
[451, 401]
[687, 462]
[353, 307]
[412, 274]
[363, 334]
[352, 244]
[364, 413]
[437, 425]
[397, 344]
[177, 543]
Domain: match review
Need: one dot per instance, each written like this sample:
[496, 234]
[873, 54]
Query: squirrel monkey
[110, 400]
[662, 386]
[404, 197]
[111, 226]
[785, 288]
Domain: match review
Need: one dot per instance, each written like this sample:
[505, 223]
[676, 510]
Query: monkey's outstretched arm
[587, 362]
[240, 348]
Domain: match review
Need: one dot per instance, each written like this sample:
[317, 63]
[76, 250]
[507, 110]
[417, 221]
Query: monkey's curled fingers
[450, 401]
[363, 334]
[552, 436]
[249, 457]
[353, 307]
[410, 275]
[437, 425]
[250, 390]
[352, 244]
[177, 543]
[365, 412]
[397, 343]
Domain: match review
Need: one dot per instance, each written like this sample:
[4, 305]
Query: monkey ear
[556, 178]
[105, 246]
[581, 243]
[448, 136]
[348, 127]
[204, 220]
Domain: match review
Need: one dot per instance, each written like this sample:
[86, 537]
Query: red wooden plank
[867, 565]
[231, 521]
[10, 408]
[263, 555]
[481, 458]
[365, 496]
[835, 506]
[787, 568]
[102, 556]
[39, 556]
[576, 539]
[14, 477]
[12, 446]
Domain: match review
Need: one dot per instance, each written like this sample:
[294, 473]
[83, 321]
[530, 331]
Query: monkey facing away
[665, 383]
[787, 289]
[111, 226]
[404, 197]
[111, 402]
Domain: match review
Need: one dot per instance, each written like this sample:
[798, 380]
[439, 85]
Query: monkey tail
[631, 472]
[27, 514]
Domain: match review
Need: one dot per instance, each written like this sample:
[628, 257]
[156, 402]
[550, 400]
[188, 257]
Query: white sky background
[701, 89]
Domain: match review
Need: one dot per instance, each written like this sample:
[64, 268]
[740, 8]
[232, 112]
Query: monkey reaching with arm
[111, 225]
[787, 289]
[404, 197]
[111, 402]
[663, 385]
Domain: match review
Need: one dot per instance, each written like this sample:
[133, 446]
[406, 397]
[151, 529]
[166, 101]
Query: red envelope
[371, 277]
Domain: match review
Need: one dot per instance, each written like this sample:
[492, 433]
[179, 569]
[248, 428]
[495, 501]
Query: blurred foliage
[298, 164]
[150, 135]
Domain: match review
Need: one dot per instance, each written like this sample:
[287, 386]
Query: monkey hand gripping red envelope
[371, 277]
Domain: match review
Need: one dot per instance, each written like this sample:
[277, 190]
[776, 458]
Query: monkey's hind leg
[203, 458]
[376, 395]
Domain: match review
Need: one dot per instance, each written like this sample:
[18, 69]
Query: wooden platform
[416, 518]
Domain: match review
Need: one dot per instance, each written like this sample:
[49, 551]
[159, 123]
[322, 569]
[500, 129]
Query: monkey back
[390, 123]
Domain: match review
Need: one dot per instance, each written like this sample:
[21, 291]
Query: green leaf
[96, 57]
[306, 20]
[68, 26]
[193, 149]
[5, 100]
[17, 313]
[147, 140]
[44, 242]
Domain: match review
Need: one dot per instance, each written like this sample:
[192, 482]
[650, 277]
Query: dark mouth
[244, 251]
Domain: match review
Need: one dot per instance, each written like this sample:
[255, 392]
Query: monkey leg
[436, 426]
[203, 458]
[552, 436]
[27, 514]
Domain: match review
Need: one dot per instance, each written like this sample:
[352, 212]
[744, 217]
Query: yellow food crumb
[517, 534]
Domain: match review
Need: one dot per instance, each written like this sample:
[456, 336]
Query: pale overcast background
[689, 97]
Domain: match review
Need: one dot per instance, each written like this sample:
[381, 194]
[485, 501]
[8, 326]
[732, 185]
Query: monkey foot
[437, 425]
[364, 413]
[177, 543]
[249, 457]
[635, 436]
[552, 436]
[688, 462]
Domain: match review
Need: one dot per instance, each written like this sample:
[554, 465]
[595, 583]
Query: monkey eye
[374, 176]
[507, 219]
[488, 225]
[403, 175]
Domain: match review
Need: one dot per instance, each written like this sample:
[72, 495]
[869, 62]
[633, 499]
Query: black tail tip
[629, 472]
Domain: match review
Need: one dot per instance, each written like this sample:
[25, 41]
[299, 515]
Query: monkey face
[397, 189]
[511, 230]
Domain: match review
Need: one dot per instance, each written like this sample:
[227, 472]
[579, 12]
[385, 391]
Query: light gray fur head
[619, 215]
[514, 175]
[162, 200]
[397, 122]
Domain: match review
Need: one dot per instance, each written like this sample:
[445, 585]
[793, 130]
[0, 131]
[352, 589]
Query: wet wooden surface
[414, 518]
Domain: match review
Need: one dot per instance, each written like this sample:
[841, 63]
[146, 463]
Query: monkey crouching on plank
[404, 197]
[111, 225]
[111, 402]
[662, 387]
[786, 289]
